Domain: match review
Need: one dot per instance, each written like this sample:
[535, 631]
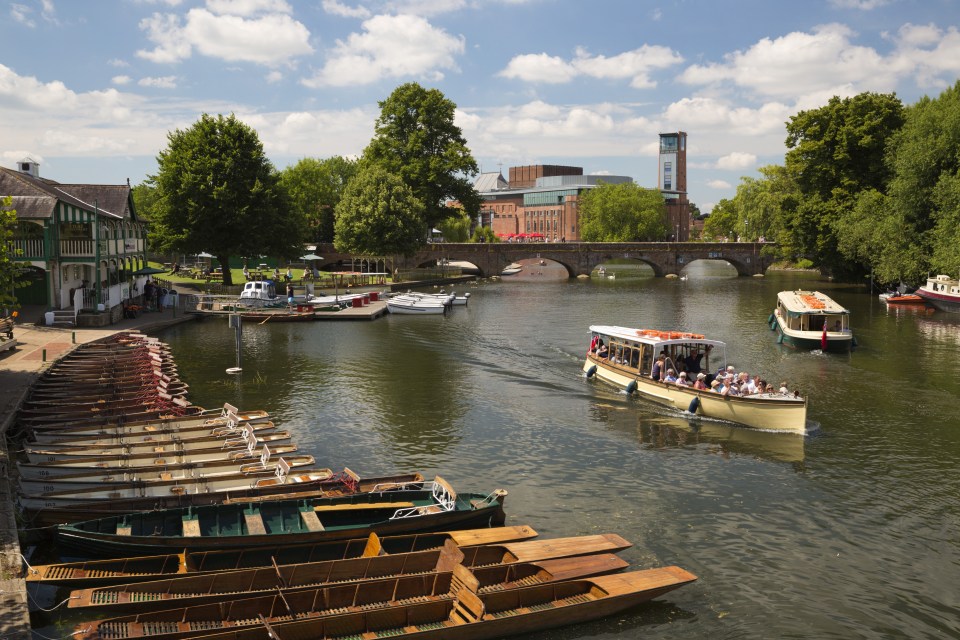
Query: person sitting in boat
[716, 386]
[746, 384]
[693, 361]
[701, 382]
[671, 376]
[682, 380]
[657, 372]
[602, 351]
[783, 388]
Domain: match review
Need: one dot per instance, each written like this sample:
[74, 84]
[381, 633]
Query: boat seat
[362, 506]
[311, 521]
[191, 527]
[254, 523]
[124, 530]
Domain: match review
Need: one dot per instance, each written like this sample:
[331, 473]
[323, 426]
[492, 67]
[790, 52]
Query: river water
[849, 532]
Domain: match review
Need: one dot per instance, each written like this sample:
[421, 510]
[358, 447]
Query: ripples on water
[849, 532]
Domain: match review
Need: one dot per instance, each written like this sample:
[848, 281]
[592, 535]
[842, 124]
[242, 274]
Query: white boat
[512, 269]
[450, 299]
[943, 292]
[261, 293]
[811, 320]
[412, 305]
[630, 366]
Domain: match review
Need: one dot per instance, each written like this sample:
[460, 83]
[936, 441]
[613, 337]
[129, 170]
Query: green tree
[455, 228]
[379, 215]
[924, 192]
[722, 222]
[10, 271]
[836, 152]
[217, 192]
[314, 188]
[622, 213]
[484, 234]
[415, 138]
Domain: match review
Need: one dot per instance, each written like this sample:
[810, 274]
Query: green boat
[433, 506]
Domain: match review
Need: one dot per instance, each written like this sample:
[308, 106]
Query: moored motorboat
[901, 298]
[92, 573]
[943, 292]
[435, 506]
[630, 362]
[412, 305]
[512, 269]
[811, 320]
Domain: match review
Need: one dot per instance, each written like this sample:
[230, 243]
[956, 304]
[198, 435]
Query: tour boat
[629, 362]
[811, 320]
[943, 292]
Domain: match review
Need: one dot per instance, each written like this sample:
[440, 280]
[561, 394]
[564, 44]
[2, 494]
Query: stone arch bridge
[580, 258]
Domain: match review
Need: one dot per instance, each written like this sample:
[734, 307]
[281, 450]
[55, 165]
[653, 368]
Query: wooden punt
[434, 507]
[142, 433]
[52, 442]
[236, 585]
[74, 388]
[158, 411]
[109, 370]
[147, 397]
[465, 612]
[206, 417]
[93, 573]
[167, 458]
[144, 475]
[45, 453]
[340, 484]
[113, 393]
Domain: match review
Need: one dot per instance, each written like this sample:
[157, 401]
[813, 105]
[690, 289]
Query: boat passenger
[701, 382]
[602, 350]
[657, 373]
[635, 359]
[693, 361]
[783, 388]
[682, 380]
[671, 376]
[746, 384]
[716, 386]
[769, 388]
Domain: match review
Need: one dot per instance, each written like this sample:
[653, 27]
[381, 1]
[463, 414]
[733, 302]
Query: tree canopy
[379, 215]
[217, 192]
[416, 139]
[10, 272]
[314, 188]
[622, 213]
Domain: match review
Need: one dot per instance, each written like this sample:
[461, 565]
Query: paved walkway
[37, 348]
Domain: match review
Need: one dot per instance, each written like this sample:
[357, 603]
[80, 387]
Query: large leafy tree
[622, 213]
[836, 152]
[415, 138]
[217, 192]
[722, 222]
[456, 228]
[924, 194]
[315, 188]
[10, 273]
[379, 215]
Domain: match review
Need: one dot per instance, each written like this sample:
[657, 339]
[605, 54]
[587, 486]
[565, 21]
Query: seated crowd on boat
[686, 365]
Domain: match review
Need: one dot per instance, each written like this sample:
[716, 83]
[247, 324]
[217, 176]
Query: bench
[367, 505]
[254, 523]
[6, 334]
[191, 527]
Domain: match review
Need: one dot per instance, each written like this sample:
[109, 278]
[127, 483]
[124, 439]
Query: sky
[90, 89]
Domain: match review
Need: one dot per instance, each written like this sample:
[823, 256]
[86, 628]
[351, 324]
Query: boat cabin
[263, 290]
[811, 311]
[637, 349]
[944, 284]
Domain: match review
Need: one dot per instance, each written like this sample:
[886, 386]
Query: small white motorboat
[415, 305]
[512, 269]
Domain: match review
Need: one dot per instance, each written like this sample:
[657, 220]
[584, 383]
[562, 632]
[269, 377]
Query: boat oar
[280, 578]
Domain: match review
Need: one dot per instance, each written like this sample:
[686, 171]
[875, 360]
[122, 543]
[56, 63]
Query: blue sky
[91, 88]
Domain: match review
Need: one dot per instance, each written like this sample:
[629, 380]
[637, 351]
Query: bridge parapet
[583, 257]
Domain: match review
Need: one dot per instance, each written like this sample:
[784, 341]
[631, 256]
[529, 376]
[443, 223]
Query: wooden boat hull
[416, 309]
[942, 301]
[760, 412]
[206, 417]
[170, 458]
[282, 521]
[837, 342]
[98, 478]
[465, 615]
[431, 571]
[93, 573]
[118, 435]
[129, 443]
[51, 453]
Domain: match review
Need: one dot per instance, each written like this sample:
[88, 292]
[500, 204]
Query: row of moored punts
[197, 523]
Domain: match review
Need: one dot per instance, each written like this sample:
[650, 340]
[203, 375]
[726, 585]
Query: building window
[668, 176]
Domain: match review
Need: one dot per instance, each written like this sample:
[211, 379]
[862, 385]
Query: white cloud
[389, 47]
[737, 160]
[862, 5]
[29, 93]
[248, 7]
[335, 8]
[21, 13]
[118, 63]
[121, 80]
[635, 65]
[273, 77]
[711, 113]
[539, 67]
[269, 40]
[719, 184]
[425, 8]
[166, 82]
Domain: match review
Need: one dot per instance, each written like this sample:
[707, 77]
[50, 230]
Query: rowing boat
[92, 573]
[498, 570]
[207, 417]
[461, 614]
[54, 441]
[433, 507]
[117, 434]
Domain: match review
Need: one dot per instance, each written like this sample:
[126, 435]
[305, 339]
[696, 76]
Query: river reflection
[848, 532]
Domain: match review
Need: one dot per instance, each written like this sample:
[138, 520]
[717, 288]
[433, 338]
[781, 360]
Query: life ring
[686, 335]
[675, 335]
[696, 336]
